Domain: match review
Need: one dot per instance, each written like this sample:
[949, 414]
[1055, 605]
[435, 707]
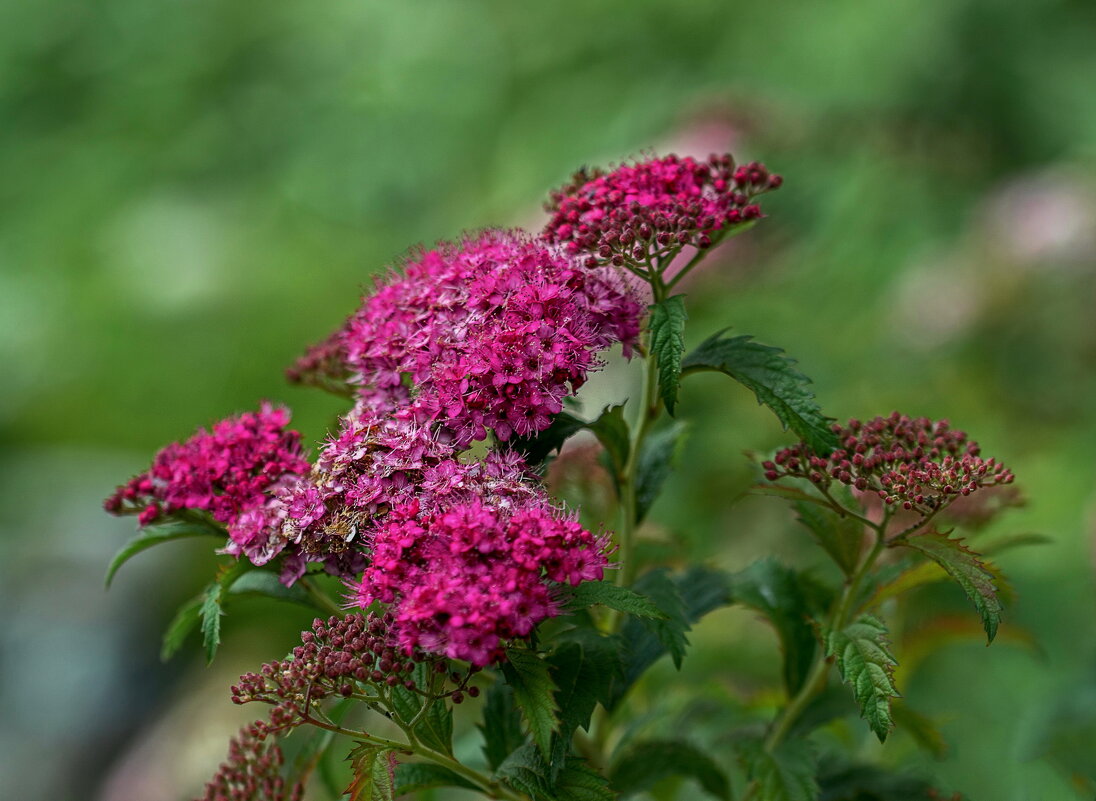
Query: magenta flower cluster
[489, 334]
[641, 212]
[464, 580]
[226, 471]
[915, 462]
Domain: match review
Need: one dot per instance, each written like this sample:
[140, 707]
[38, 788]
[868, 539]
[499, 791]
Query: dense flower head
[253, 771]
[377, 462]
[488, 334]
[226, 471]
[463, 580]
[647, 210]
[915, 462]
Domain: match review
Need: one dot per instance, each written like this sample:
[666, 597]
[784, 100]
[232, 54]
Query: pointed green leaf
[372, 780]
[154, 535]
[667, 326]
[773, 379]
[970, 572]
[842, 537]
[501, 727]
[411, 777]
[611, 595]
[702, 589]
[658, 457]
[435, 727]
[526, 771]
[537, 449]
[671, 627]
[611, 429]
[642, 765]
[580, 782]
[534, 692]
[789, 600]
[583, 671]
[184, 622]
[267, 584]
[866, 663]
[784, 774]
[212, 605]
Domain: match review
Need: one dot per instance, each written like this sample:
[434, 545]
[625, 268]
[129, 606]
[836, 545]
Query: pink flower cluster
[463, 580]
[645, 211]
[253, 771]
[916, 462]
[226, 472]
[487, 334]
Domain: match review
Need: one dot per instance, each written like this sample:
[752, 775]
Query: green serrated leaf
[213, 606]
[184, 622]
[154, 535]
[611, 595]
[772, 377]
[583, 671]
[435, 727]
[842, 537]
[501, 727]
[611, 429]
[411, 777]
[789, 600]
[785, 774]
[526, 771]
[642, 765]
[373, 779]
[538, 448]
[534, 692]
[976, 577]
[702, 589]
[658, 457]
[866, 663]
[577, 781]
[667, 326]
[671, 627]
[267, 584]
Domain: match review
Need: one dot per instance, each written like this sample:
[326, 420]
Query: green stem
[322, 600]
[816, 680]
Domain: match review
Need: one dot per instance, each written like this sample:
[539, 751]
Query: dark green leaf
[154, 535]
[657, 459]
[580, 782]
[435, 727]
[789, 600]
[266, 583]
[526, 771]
[411, 777]
[611, 595]
[841, 536]
[373, 768]
[866, 663]
[213, 603]
[969, 571]
[840, 780]
[184, 622]
[583, 671]
[642, 765]
[534, 692]
[702, 589]
[538, 448]
[611, 430]
[785, 774]
[671, 627]
[667, 326]
[501, 727]
[772, 378]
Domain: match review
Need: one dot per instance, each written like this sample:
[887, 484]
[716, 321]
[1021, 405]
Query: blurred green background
[191, 192]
